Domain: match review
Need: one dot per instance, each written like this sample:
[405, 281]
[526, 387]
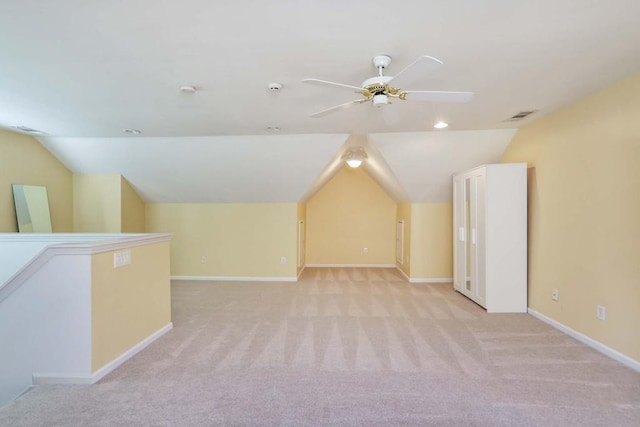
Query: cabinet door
[468, 212]
[459, 234]
[469, 245]
[478, 238]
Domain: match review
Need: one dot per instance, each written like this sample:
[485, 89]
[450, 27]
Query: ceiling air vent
[27, 129]
[519, 116]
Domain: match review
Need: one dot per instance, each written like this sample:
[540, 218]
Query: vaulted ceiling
[83, 72]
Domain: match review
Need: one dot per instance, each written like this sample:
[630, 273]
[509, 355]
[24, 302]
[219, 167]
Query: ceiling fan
[380, 89]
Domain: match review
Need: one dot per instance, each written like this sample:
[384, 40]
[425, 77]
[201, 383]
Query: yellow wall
[349, 213]
[404, 214]
[302, 216]
[432, 241]
[96, 203]
[235, 239]
[128, 303]
[23, 160]
[133, 209]
[584, 214]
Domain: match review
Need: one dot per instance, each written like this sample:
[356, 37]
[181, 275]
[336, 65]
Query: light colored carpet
[354, 347]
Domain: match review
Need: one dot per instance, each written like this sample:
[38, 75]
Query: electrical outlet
[283, 260]
[554, 295]
[120, 259]
[601, 312]
[365, 250]
[203, 259]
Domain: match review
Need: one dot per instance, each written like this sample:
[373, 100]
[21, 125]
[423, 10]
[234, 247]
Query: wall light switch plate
[120, 259]
[601, 312]
[554, 295]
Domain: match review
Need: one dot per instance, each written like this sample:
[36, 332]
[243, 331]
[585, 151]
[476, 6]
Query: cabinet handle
[461, 234]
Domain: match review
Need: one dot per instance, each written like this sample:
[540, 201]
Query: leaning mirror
[32, 208]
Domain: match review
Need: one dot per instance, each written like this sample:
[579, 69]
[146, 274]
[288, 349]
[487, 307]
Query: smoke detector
[274, 87]
[187, 89]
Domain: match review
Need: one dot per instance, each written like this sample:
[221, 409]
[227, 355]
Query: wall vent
[27, 129]
[519, 116]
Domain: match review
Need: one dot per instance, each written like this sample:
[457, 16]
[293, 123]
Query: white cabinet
[490, 236]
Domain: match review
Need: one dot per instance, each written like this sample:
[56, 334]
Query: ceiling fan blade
[337, 108]
[438, 96]
[416, 70]
[326, 83]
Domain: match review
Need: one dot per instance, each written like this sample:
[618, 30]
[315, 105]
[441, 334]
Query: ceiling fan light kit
[380, 89]
[380, 100]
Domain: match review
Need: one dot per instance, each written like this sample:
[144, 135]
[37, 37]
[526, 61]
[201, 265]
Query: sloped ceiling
[424, 162]
[282, 168]
[83, 72]
[205, 169]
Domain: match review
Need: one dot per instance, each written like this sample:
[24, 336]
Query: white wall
[45, 325]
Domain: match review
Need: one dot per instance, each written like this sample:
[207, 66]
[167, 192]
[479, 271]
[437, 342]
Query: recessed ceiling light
[187, 89]
[133, 131]
[441, 125]
[273, 128]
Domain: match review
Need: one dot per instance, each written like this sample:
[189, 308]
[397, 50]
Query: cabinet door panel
[479, 227]
[469, 238]
[458, 234]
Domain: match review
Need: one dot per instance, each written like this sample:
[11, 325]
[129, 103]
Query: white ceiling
[84, 71]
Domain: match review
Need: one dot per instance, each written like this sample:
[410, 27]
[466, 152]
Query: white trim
[400, 241]
[403, 274]
[300, 273]
[237, 278]
[112, 243]
[431, 280]
[424, 279]
[353, 265]
[106, 369]
[597, 345]
[41, 379]
[83, 244]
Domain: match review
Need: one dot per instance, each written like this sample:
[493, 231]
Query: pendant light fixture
[354, 157]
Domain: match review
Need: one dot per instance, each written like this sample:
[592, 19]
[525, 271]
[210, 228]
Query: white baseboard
[109, 367]
[403, 274]
[597, 345]
[353, 265]
[42, 379]
[237, 278]
[424, 279]
[431, 280]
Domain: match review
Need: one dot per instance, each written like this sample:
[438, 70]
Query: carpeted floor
[355, 347]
